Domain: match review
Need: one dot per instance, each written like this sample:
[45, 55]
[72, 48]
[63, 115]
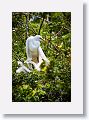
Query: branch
[27, 25]
[41, 24]
[33, 29]
[27, 19]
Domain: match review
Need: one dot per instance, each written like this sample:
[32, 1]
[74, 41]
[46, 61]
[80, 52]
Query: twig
[41, 24]
[33, 29]
[27, 20]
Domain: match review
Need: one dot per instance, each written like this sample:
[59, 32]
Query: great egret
[35, 55]
[22, 68]
[32, 45]
[35, 52]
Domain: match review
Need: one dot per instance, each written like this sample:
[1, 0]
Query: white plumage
[35, 55]
[35, 52]
[32, 45]
[22, 68]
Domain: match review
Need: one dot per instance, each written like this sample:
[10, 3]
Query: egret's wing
[26, 69]
[28, 41]
[20, 69]
[32, 49]
[41, 53]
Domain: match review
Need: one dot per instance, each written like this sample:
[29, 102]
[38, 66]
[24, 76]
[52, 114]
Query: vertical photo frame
[42, 57]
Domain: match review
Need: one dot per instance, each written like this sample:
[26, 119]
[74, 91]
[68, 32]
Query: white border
[76, 104]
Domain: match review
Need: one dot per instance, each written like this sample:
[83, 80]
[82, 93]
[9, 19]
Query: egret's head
[38, 38]
[20, 63]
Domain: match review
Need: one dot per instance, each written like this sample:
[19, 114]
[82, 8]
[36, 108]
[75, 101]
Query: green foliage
[52, 83]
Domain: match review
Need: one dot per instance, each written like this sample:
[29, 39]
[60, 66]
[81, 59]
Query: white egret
[35, 55]
[35, 52]
[22, 68]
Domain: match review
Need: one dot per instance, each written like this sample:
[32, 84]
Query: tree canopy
[52, 83]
